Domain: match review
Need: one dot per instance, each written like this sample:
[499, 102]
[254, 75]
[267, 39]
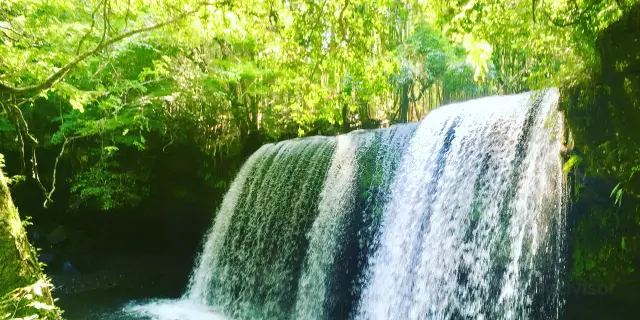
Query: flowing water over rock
[471, 229]
[458, 217]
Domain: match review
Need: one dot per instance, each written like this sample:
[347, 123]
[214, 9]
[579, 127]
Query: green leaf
[615, 189]
[573, 161]
[618, 191]
[77, 105]
[40, 305]
[111, 149]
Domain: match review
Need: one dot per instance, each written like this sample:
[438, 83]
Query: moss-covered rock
[24, 290]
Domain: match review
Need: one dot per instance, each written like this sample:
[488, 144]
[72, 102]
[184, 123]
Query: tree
[24, 290]
[18, 95]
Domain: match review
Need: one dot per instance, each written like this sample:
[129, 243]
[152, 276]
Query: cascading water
[474, 216]
[458, 217]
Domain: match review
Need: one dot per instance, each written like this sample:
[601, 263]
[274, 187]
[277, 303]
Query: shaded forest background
[122, 122]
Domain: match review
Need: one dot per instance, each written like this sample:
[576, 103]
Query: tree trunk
[404, 103]
[346, 124]
[21, 279]
[365, 118]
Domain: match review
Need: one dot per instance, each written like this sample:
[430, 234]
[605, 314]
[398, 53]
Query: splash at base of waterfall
[171, 310]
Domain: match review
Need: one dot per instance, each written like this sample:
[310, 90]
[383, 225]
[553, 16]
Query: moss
[24, 290]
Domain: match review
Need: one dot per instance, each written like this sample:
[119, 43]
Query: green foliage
[602, 113]
[574, 161]
[479, 54]
[214, 78]
[530, 44]
[30, 302]
[228, 75]
[605, 243]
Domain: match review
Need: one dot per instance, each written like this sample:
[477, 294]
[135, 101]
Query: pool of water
[141, 286]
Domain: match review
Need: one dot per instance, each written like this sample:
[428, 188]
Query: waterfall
[473, 216]
[253, 255]
[459, 216]
[343, 220]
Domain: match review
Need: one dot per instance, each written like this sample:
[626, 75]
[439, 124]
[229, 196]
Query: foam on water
[172, 310]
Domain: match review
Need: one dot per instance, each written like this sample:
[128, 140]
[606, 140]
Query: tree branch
[126, 17]
[23, 129]
[12, 30]
[33, 90]
[55, 174]
[29, 91]
[105, 22]
[93, 23]
[6, 34]
[423, 88]
[333, 43]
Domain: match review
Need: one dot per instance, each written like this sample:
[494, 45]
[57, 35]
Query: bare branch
[55, 170]
[48, 196]
[23, 129]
